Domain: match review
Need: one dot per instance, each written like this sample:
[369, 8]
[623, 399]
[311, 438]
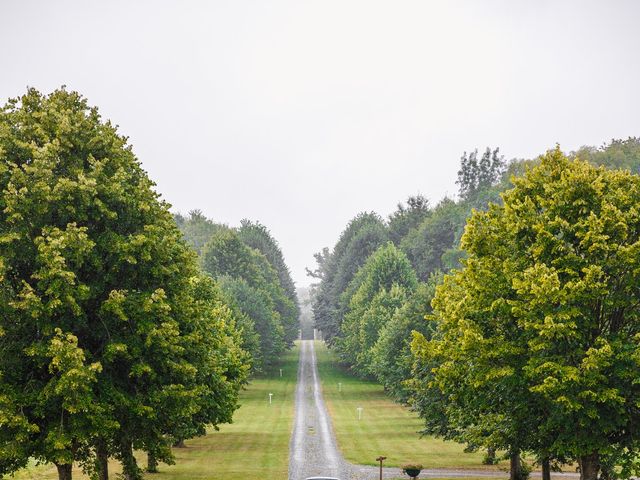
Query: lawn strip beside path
[386, 428]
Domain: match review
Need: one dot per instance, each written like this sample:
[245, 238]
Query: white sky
[300, 113]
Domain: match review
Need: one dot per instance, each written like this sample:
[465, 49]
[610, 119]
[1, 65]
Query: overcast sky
[301, 114]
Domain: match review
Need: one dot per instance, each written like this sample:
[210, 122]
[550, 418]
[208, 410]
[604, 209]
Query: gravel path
[314, 450]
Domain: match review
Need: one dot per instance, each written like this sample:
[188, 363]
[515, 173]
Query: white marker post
[270, 397]
[280, 373]
[359, 409]
[339, 386]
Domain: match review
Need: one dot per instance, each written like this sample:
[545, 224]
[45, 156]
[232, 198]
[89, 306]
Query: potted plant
[412, 469]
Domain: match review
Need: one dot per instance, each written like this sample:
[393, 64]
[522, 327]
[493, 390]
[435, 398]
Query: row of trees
[112, 339]
[248, 264]
[538, 341]
[532, 346]
[377, 283]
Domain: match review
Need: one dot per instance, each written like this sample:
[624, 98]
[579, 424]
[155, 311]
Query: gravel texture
[313, 448]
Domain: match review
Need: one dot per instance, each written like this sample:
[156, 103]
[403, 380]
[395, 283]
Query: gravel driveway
[313, 448]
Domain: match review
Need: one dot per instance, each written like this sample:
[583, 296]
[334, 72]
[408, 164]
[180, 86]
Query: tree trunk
[606, 473]
[546, 469]
[589, 466]
[130, 469]
[152, 463]
[64, 471]
[490, 457]
[515, 466]
[102, 460]
[179, 444]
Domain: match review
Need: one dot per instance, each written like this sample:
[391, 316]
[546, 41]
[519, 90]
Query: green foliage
[379, 288]
[256, 305]
[226, 255]
[540, 328]
[256, 236]
[107, 336]
[433, 245]
[407, 218]
[256, 281]
[197, 229]
[618, 154]
[213, 343]
[391, 355]
[364, 234]
[476, 175]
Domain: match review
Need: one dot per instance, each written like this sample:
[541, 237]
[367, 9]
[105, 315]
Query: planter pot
[412, 472]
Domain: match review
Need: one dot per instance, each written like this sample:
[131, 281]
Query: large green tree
[258, 237]
[256, 305]
[98, 299]
[540, 330]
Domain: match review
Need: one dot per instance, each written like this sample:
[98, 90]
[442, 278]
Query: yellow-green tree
[110, 340]
[539, 331]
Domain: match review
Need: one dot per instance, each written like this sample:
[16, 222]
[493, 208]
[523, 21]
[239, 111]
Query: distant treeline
[376, 288]
[249, 266]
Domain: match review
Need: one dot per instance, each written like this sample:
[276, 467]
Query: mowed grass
[256, 445]
[386, 428]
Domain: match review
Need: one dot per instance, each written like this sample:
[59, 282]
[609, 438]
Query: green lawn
[386, 428]
[257, 441]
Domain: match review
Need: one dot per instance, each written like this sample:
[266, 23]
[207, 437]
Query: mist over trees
[305, 296]
[112, 337]
[506, 317]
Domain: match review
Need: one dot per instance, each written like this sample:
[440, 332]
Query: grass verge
[257, 441]
[386, 428]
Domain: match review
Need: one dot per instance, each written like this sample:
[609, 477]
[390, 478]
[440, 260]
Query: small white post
[270, 397]
[359, 413]
[280, 373]
[339, 386]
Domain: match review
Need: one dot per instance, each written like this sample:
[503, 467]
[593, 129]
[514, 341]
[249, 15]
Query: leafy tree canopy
[428, 246]
[102, 302]
[197, 229]
[407, 217]
[363, 235]
[386, 277]
[391, 355]
[476, 174]
[540, 328]
[617, 154]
